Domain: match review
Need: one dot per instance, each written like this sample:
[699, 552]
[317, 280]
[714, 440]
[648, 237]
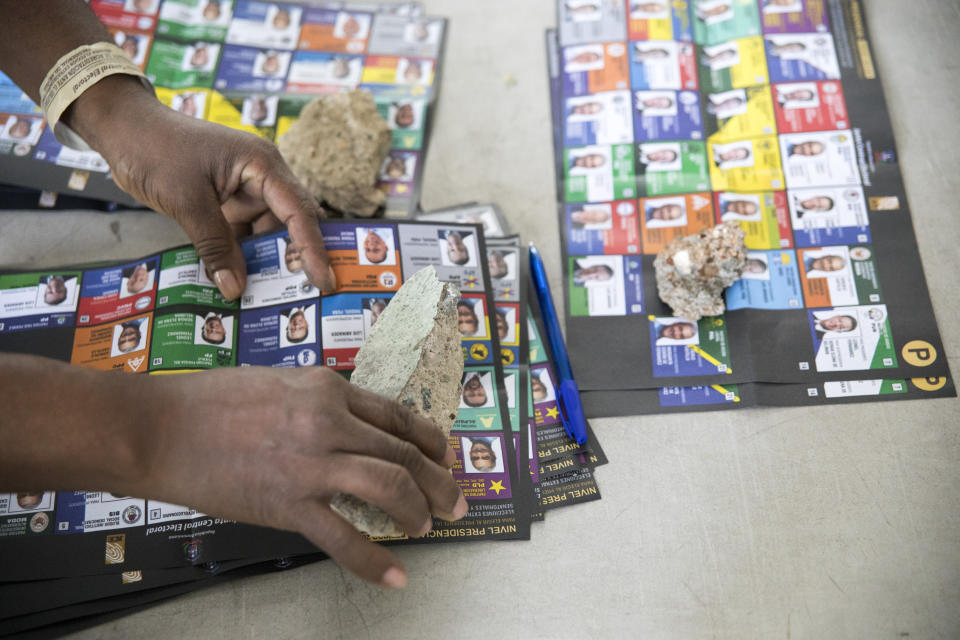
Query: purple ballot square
[285, 336]
[666, 115]
[252, 69]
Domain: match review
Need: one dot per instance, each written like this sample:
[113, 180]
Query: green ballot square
[479, 409]
[720, 21]
[182, 280]
[177, 65]
[599, 173]
[198, 339]
[685, 171]
[194, 20]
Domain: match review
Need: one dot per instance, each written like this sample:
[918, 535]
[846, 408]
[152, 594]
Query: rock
[336, 148]
[413, 356]
[693, 271]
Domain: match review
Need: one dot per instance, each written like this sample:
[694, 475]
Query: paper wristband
[74, 73]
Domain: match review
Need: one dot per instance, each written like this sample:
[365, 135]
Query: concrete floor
[840, 522]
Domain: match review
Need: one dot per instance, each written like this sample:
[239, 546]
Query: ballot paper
[161, 315]
[792, 133]
[251, 66]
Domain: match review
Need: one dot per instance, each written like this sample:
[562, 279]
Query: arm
[264, 446]
[214, 181]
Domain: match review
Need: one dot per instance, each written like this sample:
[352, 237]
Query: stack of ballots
[672, 117]
[72, 557]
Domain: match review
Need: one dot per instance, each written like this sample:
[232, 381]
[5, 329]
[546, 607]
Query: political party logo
[388, 279]
[136, 362]
[39, 522]
[191, 550]
[142, 303]
[478, 351]
[115, 550]
[306, 358]
[131, 515]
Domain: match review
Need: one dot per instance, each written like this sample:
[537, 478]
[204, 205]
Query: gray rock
[693, 271]
[413, 356]
[336, 148]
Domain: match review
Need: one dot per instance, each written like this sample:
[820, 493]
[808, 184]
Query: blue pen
[568, 395]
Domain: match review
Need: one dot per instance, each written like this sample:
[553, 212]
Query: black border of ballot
[521, 362]
[159, 585]
[36, 596]
[50, 555]
[621, 402]
[776, 346]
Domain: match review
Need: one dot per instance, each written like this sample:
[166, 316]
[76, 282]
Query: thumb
[215, 243]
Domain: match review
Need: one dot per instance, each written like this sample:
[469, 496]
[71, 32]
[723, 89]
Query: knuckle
[409, 456]
[214, 249]
[402, 421]
[325, 377]
[396, 481]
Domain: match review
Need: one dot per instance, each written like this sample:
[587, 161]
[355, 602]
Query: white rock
[413, 356]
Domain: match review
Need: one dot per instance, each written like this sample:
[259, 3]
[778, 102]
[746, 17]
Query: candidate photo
[375, 246]
[259, 111]
[835, 323]
[741, 207]
[595, 271]
[675, 332]
[757, 267]
[478, 391]
[458, 248]
[471, 319]
[129, 337]
[665, 212]
[137, 279]
[482, 455]
[214, 329]
[541, 386]
[57, 292]
[297, 326]
[507, 324]
[656, 104]
[663, 156]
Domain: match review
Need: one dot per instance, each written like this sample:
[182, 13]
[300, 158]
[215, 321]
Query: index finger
[293, 205]
[399, 421]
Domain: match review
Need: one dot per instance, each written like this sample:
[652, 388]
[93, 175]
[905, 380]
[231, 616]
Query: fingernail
[450, 457]
[331, 284]
[394, 578]
[228, 284]
[461, 508]
[426, 528]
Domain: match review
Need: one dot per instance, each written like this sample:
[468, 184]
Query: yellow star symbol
[553, 412]
[497, 486]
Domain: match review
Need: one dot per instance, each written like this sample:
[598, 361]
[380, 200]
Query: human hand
[217, 183]
[277, 444]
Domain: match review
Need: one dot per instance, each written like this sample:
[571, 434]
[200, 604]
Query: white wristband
[74, 73]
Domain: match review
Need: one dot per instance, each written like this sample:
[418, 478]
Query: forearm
[34, 35]
[70, 428]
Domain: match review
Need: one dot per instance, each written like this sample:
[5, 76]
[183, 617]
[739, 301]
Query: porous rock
[693, 271]
[413, 356]
[336, 148]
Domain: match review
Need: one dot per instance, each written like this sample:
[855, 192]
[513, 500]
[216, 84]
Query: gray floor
[840, 522]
